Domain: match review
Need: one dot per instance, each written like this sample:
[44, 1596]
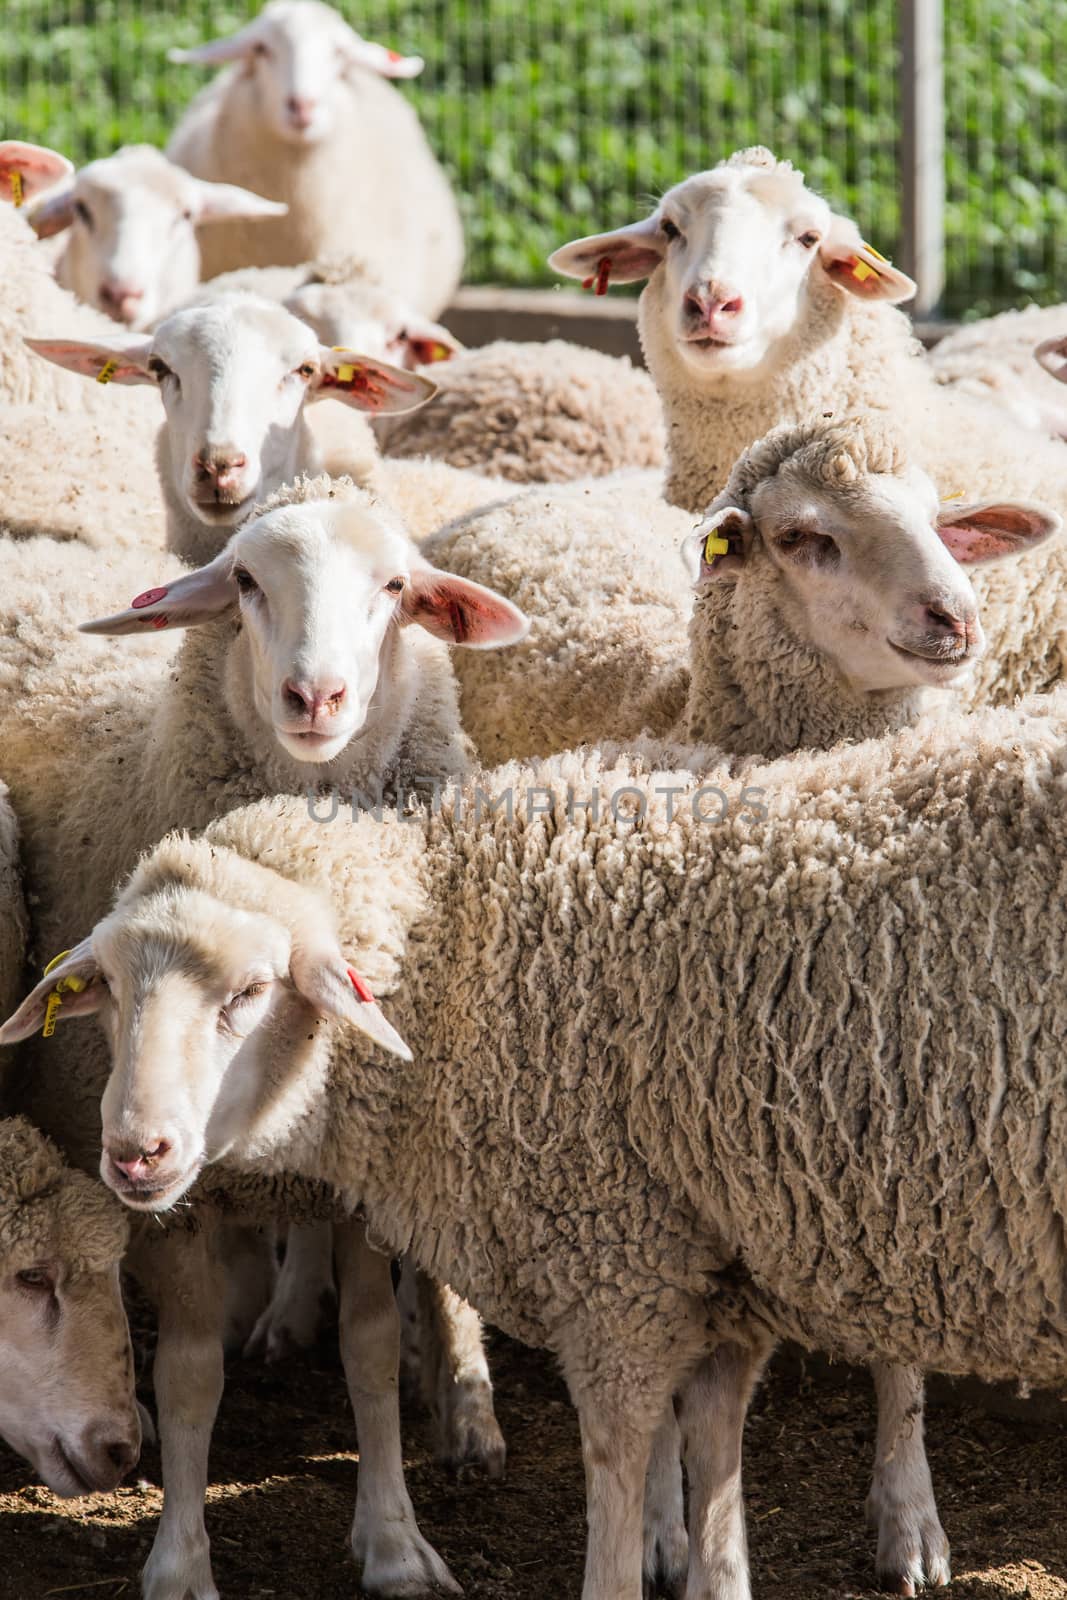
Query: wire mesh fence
[556, 118]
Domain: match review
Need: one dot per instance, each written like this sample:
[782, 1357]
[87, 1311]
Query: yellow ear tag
[876, 253]
[957, 494]
[345, 374]
[715, 546]
[17, 192]
[861, 272]
[107, 371]
[73, 985]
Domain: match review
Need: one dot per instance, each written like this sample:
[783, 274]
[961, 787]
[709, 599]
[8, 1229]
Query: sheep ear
[422, 344]
[461, 612]
[74, 979]
[369, 385]
[200, 596]
[1052, 355]
[624, 256]
[216, 201]
[120, 360]
[718, 548]
[387, 63]
[335, 989]
[858, 268]
[989, 532]
[216, 52]
[27, 170]
[54, 214]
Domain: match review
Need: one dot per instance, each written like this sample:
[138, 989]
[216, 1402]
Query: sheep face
[734, 254]
[868, 571]
[132, 250]
[234, 377]
[66, 1368]
[213, 1008]
[323, 589]
[373, 321]
[298, 58]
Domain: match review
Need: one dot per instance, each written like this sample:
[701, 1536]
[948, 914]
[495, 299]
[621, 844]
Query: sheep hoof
[471, 1435]
[913, 1554]
[397, 1561]
[174, 1575]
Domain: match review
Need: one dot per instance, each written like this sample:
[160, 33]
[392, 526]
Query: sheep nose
[714, 303]
[222, 463]
[951, 620]
[122, 301]
[107, 1455]
[301, 110]
[307, 699]
[137, 1165]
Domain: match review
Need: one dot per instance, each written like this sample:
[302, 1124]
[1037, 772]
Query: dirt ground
[284, 1475]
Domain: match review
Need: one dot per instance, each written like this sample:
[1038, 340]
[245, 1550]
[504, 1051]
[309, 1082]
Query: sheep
[1052, 355]
[764, 306]
[313, 657]
[994, 358]
[66, 1366]
[794, 641]
[629, 1128]
[30, 299]
[234, 376]
[132, 251]
[536, 413]
[303, 108]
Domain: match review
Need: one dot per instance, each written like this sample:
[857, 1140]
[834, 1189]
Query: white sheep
[536, 413]
[993, 358]
[840, 609]
[304, 110]
[634, 1129]
[31, 301]
[314, 658]
[234, 376]
[765, 306]
[132, 217]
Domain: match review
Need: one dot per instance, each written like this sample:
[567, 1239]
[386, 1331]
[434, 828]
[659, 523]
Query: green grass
[557, 119]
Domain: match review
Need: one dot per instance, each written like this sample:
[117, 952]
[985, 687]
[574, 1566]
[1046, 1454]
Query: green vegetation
[557, 118]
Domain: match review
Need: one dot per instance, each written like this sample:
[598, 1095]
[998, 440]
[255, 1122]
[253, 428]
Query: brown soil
[284, 1475]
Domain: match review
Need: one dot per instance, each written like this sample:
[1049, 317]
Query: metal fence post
[922, 150]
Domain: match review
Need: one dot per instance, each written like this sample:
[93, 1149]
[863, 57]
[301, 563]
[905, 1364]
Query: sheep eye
[251, 992]
[262, 50]
[809, 240]
[395, 586]
[244, 580]
[81, 211]
[306, 370]
[792, 537]
[38, 1279]
[159, 369]
[670, 229]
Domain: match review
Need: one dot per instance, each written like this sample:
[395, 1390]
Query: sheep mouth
[708, 341]
[151, 1196]
[223, 510]
[69, 1474]
[936, 662]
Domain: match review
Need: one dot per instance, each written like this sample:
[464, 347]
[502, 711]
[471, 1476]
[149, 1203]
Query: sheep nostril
[152, 1154]
[948, 621]
[336, 699]
[732, 308]
[295, 697]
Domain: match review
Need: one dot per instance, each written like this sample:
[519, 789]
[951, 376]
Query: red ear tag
[149, 598]
[599, 281]
[360, 986]
[394, 55]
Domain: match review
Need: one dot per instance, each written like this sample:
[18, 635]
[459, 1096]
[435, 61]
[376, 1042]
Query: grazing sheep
[993, 358]
[764, 306]
[31, 300]
[840, 609]
[314, 658]
[66, 1367]
[302, 111]
[535, 413]
[234, 377]
[635, 1129]
[132, 250]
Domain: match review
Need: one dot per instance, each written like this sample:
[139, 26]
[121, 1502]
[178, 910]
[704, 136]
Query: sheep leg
[616, 1445]
[394, 1557]
[181, 1272]
[666, 1542]
[712, 1417]
[303, 1298]
[455, 1377]
[912, 1547]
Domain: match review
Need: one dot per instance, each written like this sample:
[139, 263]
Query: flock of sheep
[712, 890]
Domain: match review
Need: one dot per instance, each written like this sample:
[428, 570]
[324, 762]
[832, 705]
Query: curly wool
[626, 1078]
[534, 413]
[49, 1211]
[994, 359]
